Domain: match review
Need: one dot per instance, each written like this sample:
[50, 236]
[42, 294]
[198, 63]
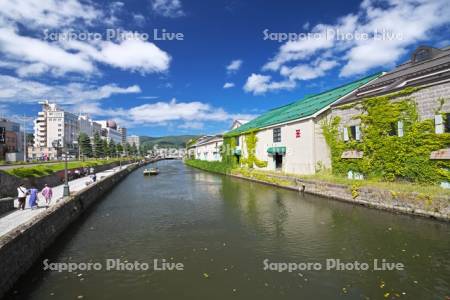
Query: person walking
[33, 198]
[47, 192]
[22, 193]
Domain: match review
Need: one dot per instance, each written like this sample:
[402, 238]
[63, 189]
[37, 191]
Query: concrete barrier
[20, 248]
[9, 183]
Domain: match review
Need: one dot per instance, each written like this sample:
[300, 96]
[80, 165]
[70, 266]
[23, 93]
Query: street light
[66, 189]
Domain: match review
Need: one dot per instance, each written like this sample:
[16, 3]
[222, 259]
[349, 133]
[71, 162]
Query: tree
[98, 146]
[112, 149]
[105, 148]
[134, 149]
[84, 142]
[119, 148]
[127, 149]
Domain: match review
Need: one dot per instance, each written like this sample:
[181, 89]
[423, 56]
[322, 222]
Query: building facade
[110, 131]
[53, 129]
[134, 140]
[11, 140]
[423, 80]
[123, 134]
[209, 148]
[289, 138]
[88, 126]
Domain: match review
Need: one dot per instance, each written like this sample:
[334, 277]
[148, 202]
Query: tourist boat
[151, 171]
[154, 171]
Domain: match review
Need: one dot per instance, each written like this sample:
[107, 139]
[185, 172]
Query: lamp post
[66, 189]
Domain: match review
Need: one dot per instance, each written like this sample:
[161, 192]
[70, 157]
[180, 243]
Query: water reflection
[225, 227]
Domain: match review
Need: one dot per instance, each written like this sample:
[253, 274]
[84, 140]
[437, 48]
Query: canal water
[223, 229]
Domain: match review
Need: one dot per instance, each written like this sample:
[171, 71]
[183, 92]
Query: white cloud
[186, 115]
[306, 72]
[412, 21]
[260, 84]
[139, 19]
[33, 56]
[173, 110]
[13, 89]
[168, 8]
[234, 66]
[34, 51]
[228, 85]
[399, 24]
[48, 13]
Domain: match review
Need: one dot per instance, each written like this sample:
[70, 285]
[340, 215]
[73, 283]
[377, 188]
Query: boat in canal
[151, 171]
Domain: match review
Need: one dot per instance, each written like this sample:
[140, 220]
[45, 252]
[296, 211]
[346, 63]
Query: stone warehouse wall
[9, 183]
[408, 203]
[20, 248]
[427, 100]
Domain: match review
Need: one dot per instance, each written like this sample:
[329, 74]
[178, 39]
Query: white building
[88, 126]
[134, 139]
[238, 123]
[53, 126]
[209, 148]
[123, 134]
[289, 138]
[110, 131]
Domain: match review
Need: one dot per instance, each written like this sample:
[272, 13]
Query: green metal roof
[302, 108]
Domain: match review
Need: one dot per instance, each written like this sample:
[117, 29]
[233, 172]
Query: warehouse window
[277, 135]
[442, 123]
[352, 132]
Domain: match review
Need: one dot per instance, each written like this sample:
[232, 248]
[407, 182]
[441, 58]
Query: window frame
[276, 135]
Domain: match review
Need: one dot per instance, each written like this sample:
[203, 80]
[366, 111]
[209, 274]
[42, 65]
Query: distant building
[123, 133]
[238, 123]
[209, 148]
[134, 139]
[53, 128]
[11, 140]
[88, 126]
[110, 132]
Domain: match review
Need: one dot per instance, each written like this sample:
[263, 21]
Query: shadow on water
[222, 229]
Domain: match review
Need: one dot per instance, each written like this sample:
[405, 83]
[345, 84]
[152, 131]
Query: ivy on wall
[388, 156]
[250, 141]
[228, 157]
[251, 160]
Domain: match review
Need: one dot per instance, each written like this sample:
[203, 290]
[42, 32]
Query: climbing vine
[250, 141]
[229, 145]
[388, 156]
[228, 157]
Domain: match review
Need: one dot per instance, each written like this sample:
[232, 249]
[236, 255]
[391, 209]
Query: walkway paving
[17, 217]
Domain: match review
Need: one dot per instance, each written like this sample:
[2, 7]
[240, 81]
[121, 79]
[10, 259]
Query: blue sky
[227, 65]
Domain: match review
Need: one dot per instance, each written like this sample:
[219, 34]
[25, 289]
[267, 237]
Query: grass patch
[397, 187]
[212, 166]
[44, 169]
[425, 190]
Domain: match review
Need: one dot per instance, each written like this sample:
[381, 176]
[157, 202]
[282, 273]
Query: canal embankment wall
[23, 246]
[417, 204]
[9, 183]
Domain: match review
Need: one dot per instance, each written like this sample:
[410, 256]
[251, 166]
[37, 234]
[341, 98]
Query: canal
[223, 229]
